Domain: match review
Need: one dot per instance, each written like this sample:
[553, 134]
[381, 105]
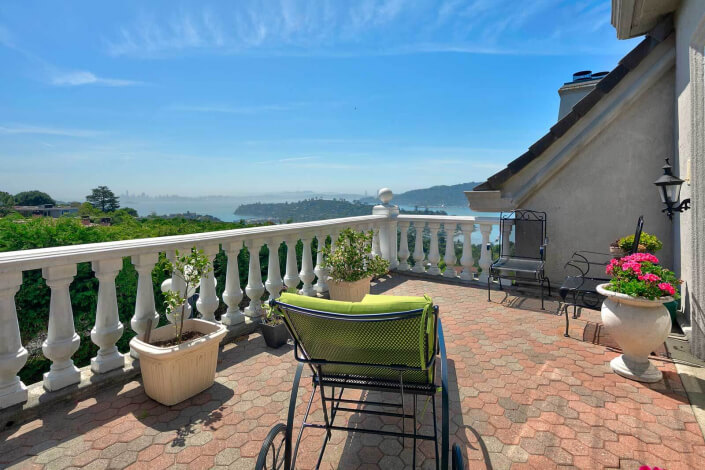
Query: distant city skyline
[253, 97]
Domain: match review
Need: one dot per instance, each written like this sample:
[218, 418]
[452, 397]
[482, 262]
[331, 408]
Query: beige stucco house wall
[594, 171]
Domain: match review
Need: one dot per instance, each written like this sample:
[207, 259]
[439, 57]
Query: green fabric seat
[405, 342]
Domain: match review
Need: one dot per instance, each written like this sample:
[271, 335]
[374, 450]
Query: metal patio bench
[523, 259]
[588, 268]
[384, 343]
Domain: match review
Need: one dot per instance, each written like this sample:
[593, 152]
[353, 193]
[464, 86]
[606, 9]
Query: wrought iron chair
[588, 269]
[364, 346]
[524, 259]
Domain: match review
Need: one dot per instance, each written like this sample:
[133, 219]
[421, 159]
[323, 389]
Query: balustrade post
[404, 246]
[306, 273]
[12, 355]
[418, 248]
[485, 252]
[393, 248]
[178, 284]
[467, 261]
[321, 272]
[232, 295]
[208, 301]
[433, 255]
[254, 288]
[376, 249]
[291, 277]
[144, 303]
[506, 234]
[274, 282]
[108, 329]
[449, 257]
[387, 228]
[62, 341]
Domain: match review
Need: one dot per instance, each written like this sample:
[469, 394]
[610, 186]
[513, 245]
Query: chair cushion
[349, 340]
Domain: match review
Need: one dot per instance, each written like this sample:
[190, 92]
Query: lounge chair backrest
[367, 344]
[529, 233]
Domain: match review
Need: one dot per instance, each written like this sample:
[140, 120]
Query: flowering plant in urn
[640, 275]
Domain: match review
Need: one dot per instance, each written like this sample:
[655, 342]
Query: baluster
[291, 277]
[306, 273]
[144, 303]
[178, 284]
[449, 257]
[208, 301]
[506, 233]
[232, 295]
[62, 341]
[433, 256]
[485, 253]
[404, 246]
[12, 355]
[376, 248]
[393, 248]
[418, 248]
[254, 288]
[321, 272]
[467, 260]
[108, 329]
[274, 282]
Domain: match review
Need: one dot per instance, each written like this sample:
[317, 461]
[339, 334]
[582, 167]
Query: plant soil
[188, 336]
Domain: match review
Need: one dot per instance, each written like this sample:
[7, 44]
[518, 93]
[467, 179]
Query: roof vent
[598, 75]
[582, 75]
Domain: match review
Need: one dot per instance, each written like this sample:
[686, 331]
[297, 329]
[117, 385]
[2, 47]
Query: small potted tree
[178, 360]
[634, 314]
[352, 265]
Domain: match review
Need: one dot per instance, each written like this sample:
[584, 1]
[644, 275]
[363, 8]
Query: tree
[104, 199]
[6, 199]
[33, 198]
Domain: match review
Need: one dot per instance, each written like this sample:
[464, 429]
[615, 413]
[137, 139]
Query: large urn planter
[639, 326]
[174, 373]
[349, 291]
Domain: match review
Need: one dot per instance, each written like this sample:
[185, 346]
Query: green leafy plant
[352, 258]
[272, 316]
[640, 275]
[650, 243]
[191, 268]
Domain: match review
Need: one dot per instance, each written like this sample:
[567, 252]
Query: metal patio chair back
[523, 257]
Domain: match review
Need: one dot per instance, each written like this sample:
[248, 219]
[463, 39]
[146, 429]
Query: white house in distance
[593, 172]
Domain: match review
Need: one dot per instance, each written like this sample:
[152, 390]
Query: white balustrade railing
[59, 266]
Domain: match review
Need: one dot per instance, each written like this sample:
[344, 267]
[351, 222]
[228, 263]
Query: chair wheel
[272, 455]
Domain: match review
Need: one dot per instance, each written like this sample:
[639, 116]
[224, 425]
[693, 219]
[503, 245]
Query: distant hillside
[433, 196]
[312, 209]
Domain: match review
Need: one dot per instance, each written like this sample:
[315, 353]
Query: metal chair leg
[489, 281]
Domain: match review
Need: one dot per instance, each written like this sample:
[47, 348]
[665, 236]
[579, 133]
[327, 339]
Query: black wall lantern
[669, 188]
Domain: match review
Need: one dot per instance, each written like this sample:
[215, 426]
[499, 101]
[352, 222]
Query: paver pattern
[522, 396]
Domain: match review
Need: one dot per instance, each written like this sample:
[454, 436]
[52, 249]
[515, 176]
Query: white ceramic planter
[173, 374]
[639, 326]
[349, 291]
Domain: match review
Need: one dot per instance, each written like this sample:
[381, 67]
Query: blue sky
[231, 98]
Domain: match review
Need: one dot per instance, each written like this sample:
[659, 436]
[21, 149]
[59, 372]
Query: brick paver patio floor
[523, 396]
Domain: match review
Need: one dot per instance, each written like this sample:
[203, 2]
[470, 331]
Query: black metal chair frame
[584, 261]
[280, 436]
[498, 271]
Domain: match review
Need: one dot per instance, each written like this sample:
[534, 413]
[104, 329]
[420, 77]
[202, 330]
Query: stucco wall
[599, 194]
[689, 234]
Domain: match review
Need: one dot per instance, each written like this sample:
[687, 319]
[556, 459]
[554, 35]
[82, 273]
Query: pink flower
[609, 269]
[649, 277]
[642, 257]
[666, 287]
[633, 265]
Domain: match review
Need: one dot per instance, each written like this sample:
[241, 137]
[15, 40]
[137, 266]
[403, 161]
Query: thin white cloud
[52, 131]
[83, 77]
[231, 109]
[285, 160]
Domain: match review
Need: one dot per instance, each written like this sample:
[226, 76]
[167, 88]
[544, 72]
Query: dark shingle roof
[581, 108]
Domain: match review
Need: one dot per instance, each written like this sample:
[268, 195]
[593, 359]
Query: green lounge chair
[384, 343]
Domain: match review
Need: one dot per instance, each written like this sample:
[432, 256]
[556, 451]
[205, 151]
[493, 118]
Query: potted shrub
[647, 243]
[352, 265]
[178, 360]
[634, 314]
[273, 328]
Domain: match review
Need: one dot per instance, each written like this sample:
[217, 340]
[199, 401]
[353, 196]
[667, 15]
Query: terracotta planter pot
[616, 251]
[349, 291]
[275, 335]
[639, 326]
[173, 374]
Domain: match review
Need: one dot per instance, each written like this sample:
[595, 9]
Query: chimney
[572, 92]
